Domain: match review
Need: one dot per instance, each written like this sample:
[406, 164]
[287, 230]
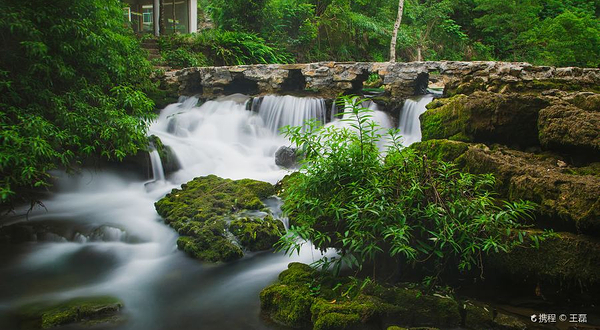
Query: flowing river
[99, 233]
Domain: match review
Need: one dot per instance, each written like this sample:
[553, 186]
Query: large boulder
[570, 129]
[219, 218]
[510, 119]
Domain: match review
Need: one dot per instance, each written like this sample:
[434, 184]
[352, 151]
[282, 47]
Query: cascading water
[279, 111]
[379, 117]
[158, 173]
[410, 125]
[101, 235]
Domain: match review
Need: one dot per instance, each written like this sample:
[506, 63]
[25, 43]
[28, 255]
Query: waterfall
[278, 111]
[379, 117]
[101, 235]
[158, 174]
[410, 125]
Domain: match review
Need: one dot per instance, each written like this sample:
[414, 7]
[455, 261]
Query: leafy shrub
[224, 48]
[72, 82]
[182, 58]
[371, 207]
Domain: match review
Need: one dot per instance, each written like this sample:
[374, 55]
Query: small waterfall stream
[101, 235]
[409, 124]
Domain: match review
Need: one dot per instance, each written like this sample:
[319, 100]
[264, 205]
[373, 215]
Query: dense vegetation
[72, 82]
[542, 32]
[401, 206]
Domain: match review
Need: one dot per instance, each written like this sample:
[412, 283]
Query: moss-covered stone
[200, 212]
[168, 158]
[568, 128]
[485, 117]
[303, 297]
[358, 313]
[287, 304]
[257, 234]
[85, 311]
[445, 150]
[561, 262]
[568, 197]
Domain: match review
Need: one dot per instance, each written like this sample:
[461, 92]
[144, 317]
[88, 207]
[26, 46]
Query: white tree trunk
[395, 33]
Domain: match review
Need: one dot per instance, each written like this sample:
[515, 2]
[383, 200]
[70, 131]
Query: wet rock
[86, 311]
[286, 157]
[168, 158]
[209, 212]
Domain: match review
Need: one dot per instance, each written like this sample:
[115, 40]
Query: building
[181, 16]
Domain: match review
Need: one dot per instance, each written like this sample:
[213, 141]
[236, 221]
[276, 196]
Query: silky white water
[409, 124]
[102, 235]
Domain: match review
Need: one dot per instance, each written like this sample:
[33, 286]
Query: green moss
[412, 307]
[200, 209]
[88, 310]
[333, 315]
[257, 234]
[445, 118]
[553, 264]
[441, 149]
[293, 302]
[287, 305]
[337, 321]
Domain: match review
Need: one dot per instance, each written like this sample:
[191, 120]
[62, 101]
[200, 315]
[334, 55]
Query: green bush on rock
[212, 216]
[392, 209]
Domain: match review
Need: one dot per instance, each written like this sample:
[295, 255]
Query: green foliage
[216, 47]
[71, 85]
[323, 30]
[370, 207]
[183, 58]
[569, 39]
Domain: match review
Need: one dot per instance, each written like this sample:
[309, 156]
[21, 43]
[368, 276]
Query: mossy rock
[211, 197]
[209, 244]
[570, 129]
[85, 311]
[287, 305]
[257, 234]
[563, 263]
[303, 296]
[411, 307]
[568, 197]
[485, 117]
[167, 156]
[361, 312]
[200, 210]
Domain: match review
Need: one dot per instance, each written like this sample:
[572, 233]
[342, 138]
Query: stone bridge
[397, 80]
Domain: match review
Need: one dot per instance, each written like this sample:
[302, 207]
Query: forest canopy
[72, 82]
[542, 32]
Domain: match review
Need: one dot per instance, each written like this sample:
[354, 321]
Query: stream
[99, 234]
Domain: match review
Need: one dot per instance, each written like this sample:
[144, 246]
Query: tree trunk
[419, 56]
[162, 28]
[395, 33]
